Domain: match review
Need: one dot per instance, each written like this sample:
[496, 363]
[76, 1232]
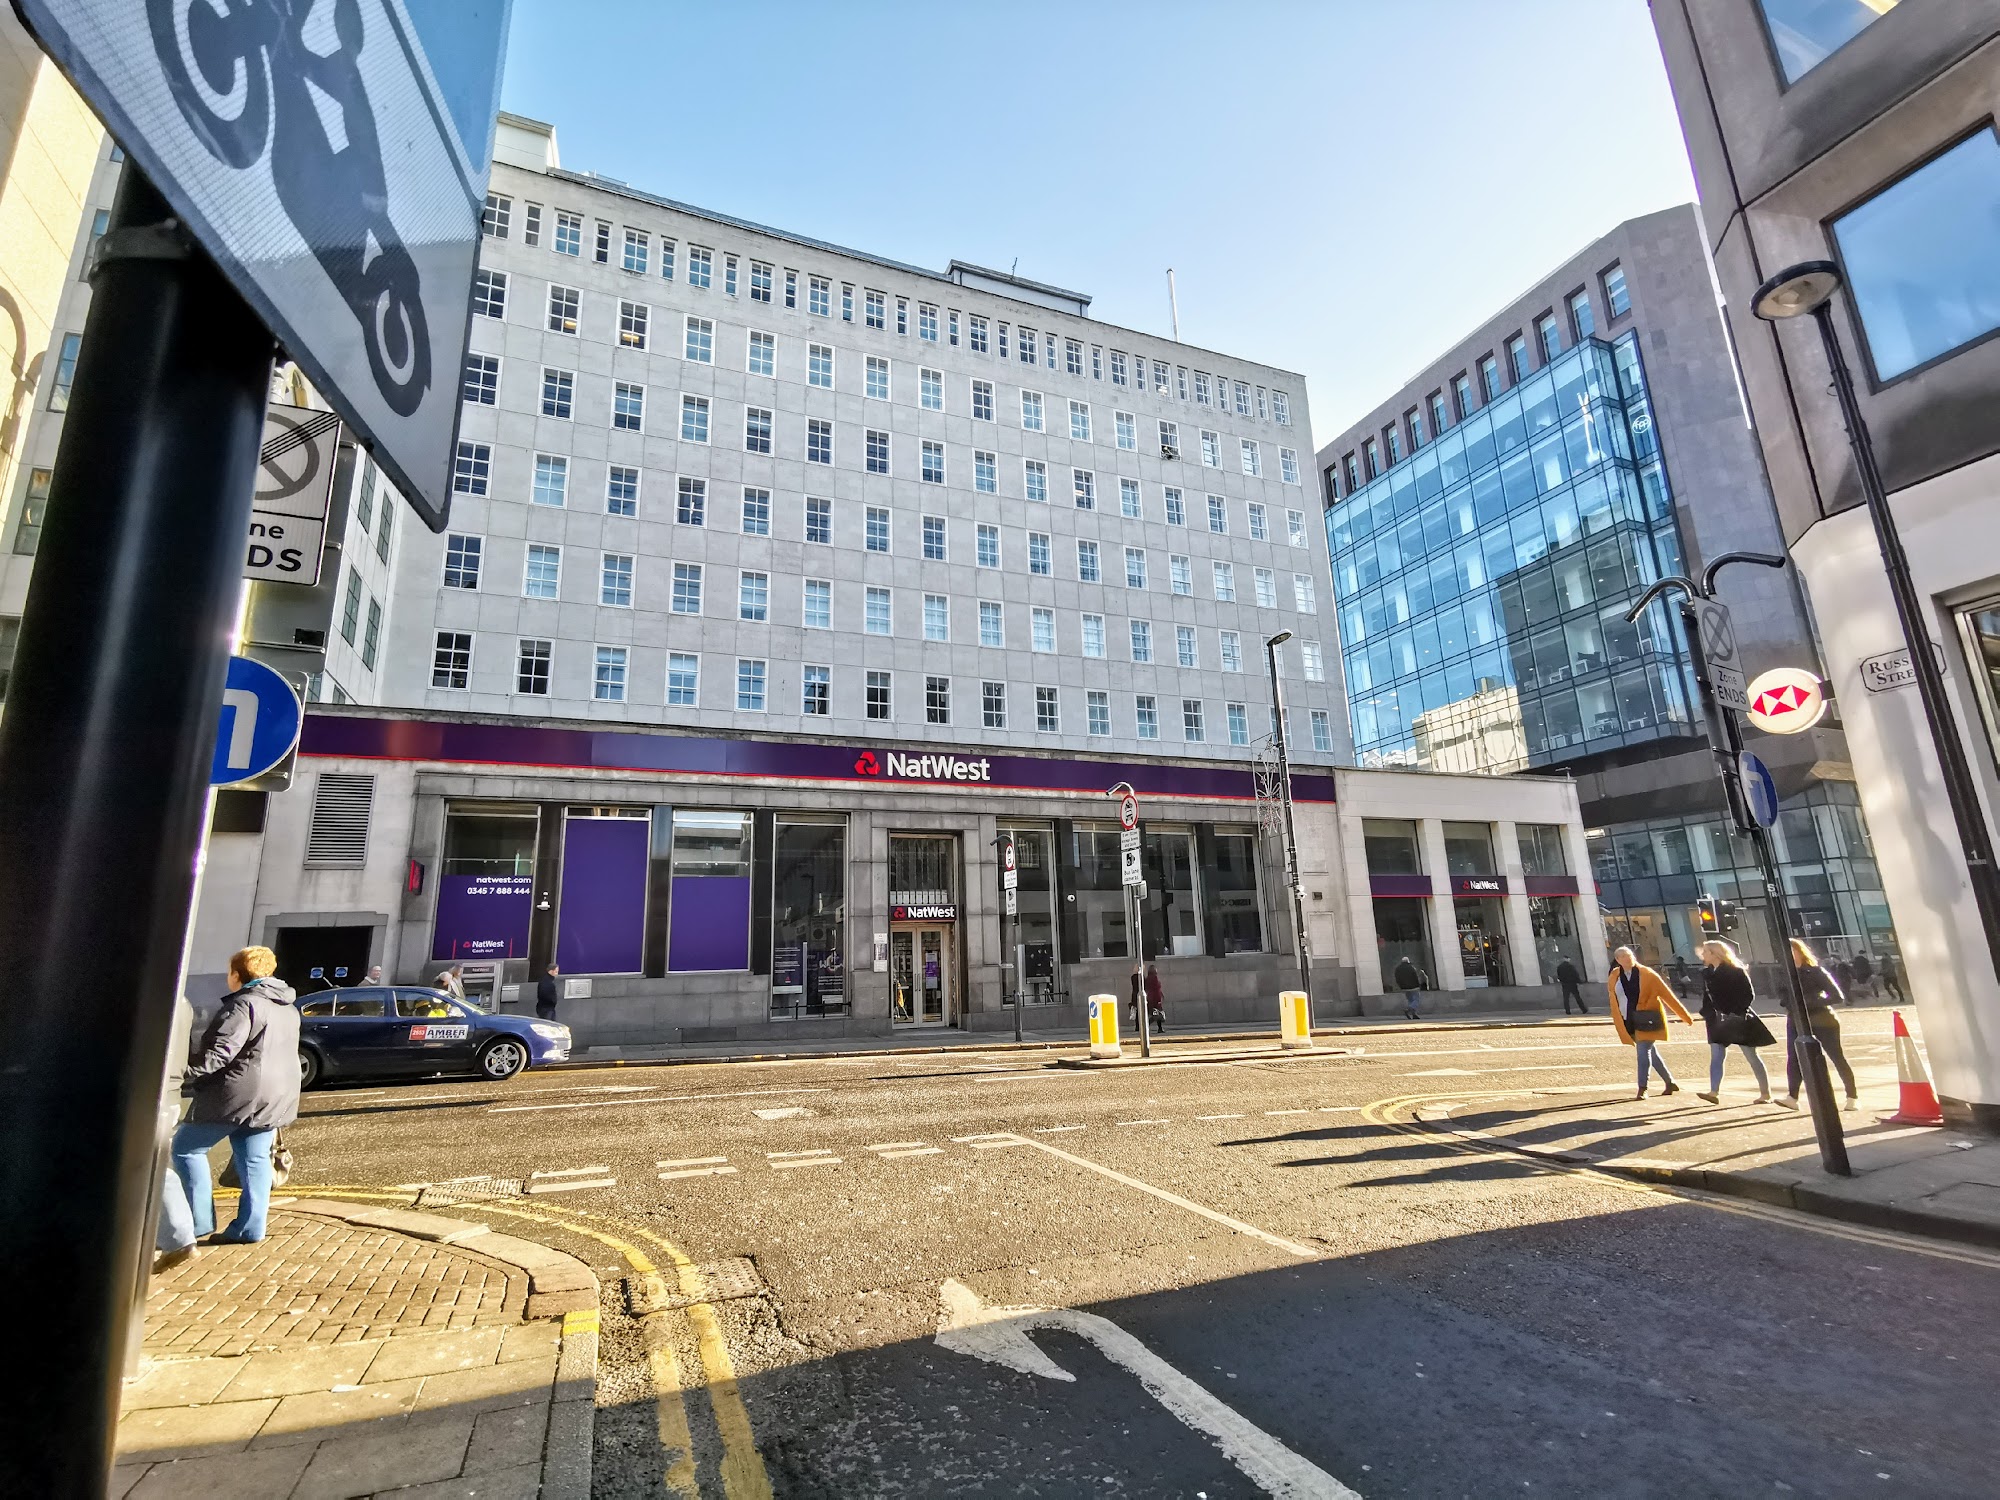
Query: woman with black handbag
[1821, 994]
[1640, 1000]
[1727, 998]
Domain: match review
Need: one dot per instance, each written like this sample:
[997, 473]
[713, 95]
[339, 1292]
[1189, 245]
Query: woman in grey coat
[244, 1083]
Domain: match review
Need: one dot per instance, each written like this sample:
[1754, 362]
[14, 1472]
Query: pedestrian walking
[1572, 987]
[1843, 975]
[244, 1082]
[1864, 974]
[1821, 993]
[1727, 1004]
[1156, 998]
[1678, 969]
[1410, 980]
[1639, 1000]
[545, 994]
[1891, 975]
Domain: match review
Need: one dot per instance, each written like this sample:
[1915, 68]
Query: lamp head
[1796, 290]
[1279, 639]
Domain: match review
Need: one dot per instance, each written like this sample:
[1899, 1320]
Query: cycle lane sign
[331, 156]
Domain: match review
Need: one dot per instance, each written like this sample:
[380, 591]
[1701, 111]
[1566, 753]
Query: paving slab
[362, 1464]
[256, 1475]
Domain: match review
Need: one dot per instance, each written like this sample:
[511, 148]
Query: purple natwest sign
[938, 763]
[483, 917]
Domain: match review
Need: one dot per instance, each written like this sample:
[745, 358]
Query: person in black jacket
[244, 1079]
[545, 994]
[1726, 995]
[1572, 986]
[1821, 993]
[1409, 979]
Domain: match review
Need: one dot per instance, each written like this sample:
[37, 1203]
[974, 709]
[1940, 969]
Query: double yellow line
[743, 1473]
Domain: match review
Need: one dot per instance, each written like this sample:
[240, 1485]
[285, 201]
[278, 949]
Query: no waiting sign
[294, 483]
[332, 156]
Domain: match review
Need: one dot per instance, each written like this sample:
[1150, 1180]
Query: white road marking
[967, 1325]
[698, 1172]
[1445, 1073]
[1288, 1246]
[782, 1112]
[1143, 1122]
[1287, 1111]
[514, 1109]
[1219, 1117]
[913, 1151]
[570, 1172]
[788, 1155]
[694, 1161]
[1058, 1129]
[992, 1141]
[1339, 1109]
[806, 1161]
[894, 1145]
[571, 1185]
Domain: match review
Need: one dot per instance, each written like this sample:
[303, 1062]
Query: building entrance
[920, 975]
[1482, 942]
[322, 958]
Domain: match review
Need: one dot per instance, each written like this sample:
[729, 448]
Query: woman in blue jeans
[244, 1082]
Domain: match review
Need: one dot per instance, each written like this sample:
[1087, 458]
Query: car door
[315, 1021]
[438, 1034]
[363, 1037]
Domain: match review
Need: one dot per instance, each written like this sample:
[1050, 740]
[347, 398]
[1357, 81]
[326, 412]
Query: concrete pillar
[1450, 970]
[1368, 976]
[1520, 927]
[1590, 934]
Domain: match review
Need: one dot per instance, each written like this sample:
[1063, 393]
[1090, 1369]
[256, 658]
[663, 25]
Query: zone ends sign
[331, 156]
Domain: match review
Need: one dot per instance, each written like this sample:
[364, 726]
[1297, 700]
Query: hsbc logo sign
[903, 765]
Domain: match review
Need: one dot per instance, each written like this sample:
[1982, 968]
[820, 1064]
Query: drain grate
[468, 1190]
[722, 1281]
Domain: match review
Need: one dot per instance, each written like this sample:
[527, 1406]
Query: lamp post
[1809, 288]
[1291, 831]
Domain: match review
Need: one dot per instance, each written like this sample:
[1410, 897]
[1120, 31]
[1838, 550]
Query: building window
[1921, 257]
[875, 612]
[1086, 563]
[937, 700]
[876, 528]
[1192, 727]
[1128, 499]
[819, 521]
[531, 224]
[542, 578]
[988, 545]
[933, 462]
[816, 691]
[687, 589]
[608, 680]
[1392, 441]
[1322, 730]
[750, 673]
[350, 612]
[1142, 640]
[451, 659]
[551, 480]
[1288, 458]
[1265, 583]
[1232, 650]
[1517, 357]
[628, 407]
[371, 637]
[1242, 399]
[1038, 553]
[558, 393]
[694, 419]
[698, 344]
[937, 617]
[933, 529]
[472, 469]
[847, 302]
[34, 507]
[1176, 506]
[563, 306]
[1549, 336]
[991, 631]
[691, 503]
[927, 330]
[1180, 573]
[819, 366]
[1489, 383]
[993, 704]
[760, 281]
[635, 257]
[985, 472]
[531, 667]
[1225, 582]
[1170, 439]
[878, 695]
[461, 562]
[819, 441]
[753, 596]
[1042, 629]
[480, 384]
[634, 319]
[1616, 297]
[1218, 515]
[756, 429]
[930, 389]
[1315, 662]
[1805, 33]
[1031, 411]
[876, 378]
[1079, 421]
[1093, 636]
[683, 679]
[1302, 593]
[569, 233]
[1146, 716]
[1185, 654]
[1117, 368]
[762, 356]
[819, 297]
[1035, 479]
[877, 308]
[1135, 567]
[976, 333]
[494, 218]
[701, 267]
[756, 511]
[602, 254]
[1582, 322]
[621, 490]
[818, 613]
[1125, 428]
[1461, 397]
[489, 294]
[1239, 723]
[1295, 527]
[1084, 487]
[982, 400]
[875, 445]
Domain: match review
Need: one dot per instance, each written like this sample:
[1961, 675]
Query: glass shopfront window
[1553, 919]
[808, 916]
[923, 871]
[709, 903]
[1392, 846]
[1542, 849]
[1239, 911]
[1468, 849]
[1035, 901]
[1172, 906]
[1402, 930]
[486, 889]
[1103, 930]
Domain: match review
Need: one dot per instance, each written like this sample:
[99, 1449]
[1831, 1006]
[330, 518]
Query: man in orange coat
[1640, 1000]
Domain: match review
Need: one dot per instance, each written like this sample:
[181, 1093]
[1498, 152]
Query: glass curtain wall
[1482, 583]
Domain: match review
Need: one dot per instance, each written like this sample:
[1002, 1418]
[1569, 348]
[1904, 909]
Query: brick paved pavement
[315, 1280]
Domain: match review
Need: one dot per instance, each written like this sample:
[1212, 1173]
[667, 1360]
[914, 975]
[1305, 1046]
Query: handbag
[281, 1166]
[1742, 1029]
[1650, 1019]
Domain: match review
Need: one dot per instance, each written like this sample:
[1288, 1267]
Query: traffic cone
[1919, 1102]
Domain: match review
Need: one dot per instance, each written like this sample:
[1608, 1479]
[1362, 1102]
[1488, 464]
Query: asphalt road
[1257, 1282]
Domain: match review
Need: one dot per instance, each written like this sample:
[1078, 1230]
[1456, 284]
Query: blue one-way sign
[261, 718]
[332, 156]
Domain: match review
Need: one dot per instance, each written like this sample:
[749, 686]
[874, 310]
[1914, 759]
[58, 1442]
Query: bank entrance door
[920, 970]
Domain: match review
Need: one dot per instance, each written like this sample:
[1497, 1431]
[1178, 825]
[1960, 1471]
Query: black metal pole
[1292, 884]
[104, 747]
[1959, 787]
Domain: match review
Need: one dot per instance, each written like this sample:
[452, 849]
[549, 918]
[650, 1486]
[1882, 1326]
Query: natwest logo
[910, 766]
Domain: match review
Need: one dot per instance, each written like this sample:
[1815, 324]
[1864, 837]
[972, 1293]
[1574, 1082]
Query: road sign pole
[104, 752]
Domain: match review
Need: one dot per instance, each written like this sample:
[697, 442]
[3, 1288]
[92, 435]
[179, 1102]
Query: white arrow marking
[967, 1325]
[243, 728]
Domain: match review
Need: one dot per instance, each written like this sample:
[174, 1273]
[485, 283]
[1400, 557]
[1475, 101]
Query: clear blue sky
[1343, 187]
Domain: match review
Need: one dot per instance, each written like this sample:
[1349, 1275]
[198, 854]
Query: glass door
[934, 943]
[902, 976]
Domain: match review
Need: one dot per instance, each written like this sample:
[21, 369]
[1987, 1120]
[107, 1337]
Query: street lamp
[1808, 288]
[1291, 833]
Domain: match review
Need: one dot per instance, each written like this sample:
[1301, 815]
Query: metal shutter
[339, 833]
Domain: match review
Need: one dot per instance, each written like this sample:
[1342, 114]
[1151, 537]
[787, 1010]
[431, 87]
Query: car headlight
[548, 1029]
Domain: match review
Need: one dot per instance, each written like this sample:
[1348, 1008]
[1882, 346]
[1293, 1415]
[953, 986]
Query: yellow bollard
[1104, 1026]
[1295, 1019]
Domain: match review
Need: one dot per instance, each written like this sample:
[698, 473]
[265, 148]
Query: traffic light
[1710, 924]
[1725, 916]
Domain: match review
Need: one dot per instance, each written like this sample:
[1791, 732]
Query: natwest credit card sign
[332, 156]
[483, 916]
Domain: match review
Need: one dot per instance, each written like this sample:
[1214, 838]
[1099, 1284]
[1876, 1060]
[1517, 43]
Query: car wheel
[310, 1067]
[502, 1058]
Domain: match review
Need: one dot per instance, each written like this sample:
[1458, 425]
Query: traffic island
[360, 1349]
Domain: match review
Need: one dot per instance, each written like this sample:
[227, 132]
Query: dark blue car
[382, 1031]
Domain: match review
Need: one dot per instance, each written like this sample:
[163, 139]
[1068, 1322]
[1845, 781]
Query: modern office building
[1862, 132]
[1489, 526]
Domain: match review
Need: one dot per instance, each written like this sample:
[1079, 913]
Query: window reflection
[1807, 32]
